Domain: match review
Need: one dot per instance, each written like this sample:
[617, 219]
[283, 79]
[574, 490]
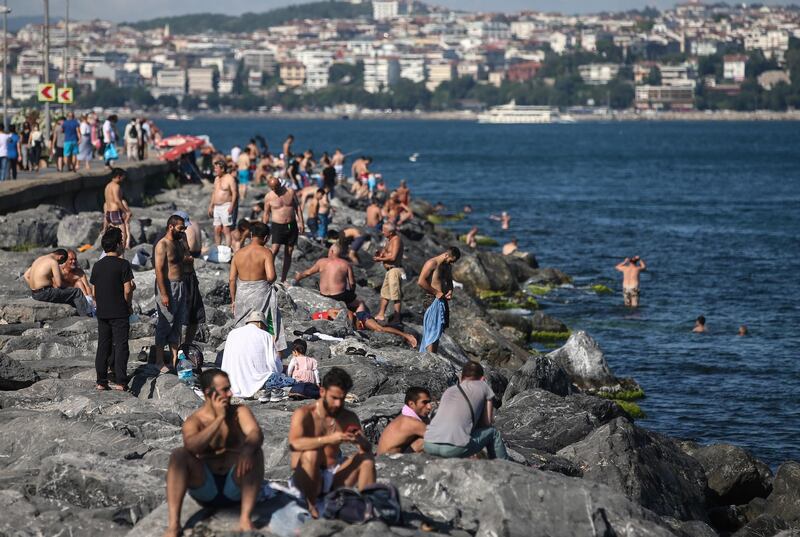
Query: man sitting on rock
[45, 281]
[251, 360]
[74, 276]
[406, 432]
[221, 463]
[462, 426]
[316, 434]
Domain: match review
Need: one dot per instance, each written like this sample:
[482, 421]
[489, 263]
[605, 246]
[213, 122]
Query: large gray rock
[487, 498]
[14, 375]
[79, 229]
[539, 372]
[583, 361]
[539, 420]
[485, 271]
[31, 227]
[649, 468]
[90, 480]
[734, 475]
[767, 526]
[28, 310]
[784, 501]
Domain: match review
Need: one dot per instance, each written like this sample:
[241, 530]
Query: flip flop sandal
[355, 351]
[101, 388]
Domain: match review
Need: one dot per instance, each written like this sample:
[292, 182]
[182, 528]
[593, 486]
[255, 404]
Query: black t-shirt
[108, 277]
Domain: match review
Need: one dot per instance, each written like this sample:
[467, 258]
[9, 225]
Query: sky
[133, 10]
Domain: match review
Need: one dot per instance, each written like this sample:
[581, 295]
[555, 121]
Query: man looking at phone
[316, 434]
[221, 463]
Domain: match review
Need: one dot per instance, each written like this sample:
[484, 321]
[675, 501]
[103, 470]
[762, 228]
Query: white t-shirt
[4, 144]
[249, 359]
[108, 133]
[235, 152]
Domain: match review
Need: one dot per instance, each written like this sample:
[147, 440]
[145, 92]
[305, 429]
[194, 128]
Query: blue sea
[713, 208]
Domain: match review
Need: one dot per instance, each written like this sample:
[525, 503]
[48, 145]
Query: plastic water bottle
[185, 369]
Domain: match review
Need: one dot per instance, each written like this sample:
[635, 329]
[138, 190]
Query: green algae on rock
[541, 336]
[601, 289]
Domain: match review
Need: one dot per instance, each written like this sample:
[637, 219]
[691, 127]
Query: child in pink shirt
[301, 367]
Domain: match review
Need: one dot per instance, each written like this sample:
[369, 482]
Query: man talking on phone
[221, 463]
[316, 434]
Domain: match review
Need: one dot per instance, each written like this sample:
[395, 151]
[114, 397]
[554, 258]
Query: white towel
[249, 359]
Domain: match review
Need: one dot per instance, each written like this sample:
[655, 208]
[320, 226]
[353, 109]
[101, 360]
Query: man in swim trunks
[337, 161]
[374, 217]
[316, 434]
[392, 258]
[244, 173]
[354, 239]
[336, 278]
[223, 204]
[195, 309]
[281, 206]
[221, 462]
[630, 268]
[116, 212]
[436, 279]
[170, 254]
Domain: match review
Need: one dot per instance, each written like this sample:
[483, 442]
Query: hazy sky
[131, 10]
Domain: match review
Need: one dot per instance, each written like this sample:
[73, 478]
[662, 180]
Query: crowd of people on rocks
[74, 143]
[221, 461]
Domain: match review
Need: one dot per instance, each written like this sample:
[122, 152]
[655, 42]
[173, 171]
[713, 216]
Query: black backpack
[194, 355]
[133, 133]
[378, 501]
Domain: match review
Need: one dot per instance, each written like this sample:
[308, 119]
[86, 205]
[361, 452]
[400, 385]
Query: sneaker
[277, 396]
[262, 396]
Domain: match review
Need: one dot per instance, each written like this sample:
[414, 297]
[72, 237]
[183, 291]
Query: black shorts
[194, 300]
[59, 152]
[348, 297]
[284, 233]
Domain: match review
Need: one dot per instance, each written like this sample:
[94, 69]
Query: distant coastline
[723, 115]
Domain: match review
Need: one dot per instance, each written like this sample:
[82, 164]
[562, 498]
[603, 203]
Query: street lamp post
[46, 66]
[6, 11]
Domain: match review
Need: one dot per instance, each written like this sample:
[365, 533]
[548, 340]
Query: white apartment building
[733, 67]
[317, 64]
[412, 67]
[559, 42]
[225, 86]
[380, 73]
[489, 30]
[524, 29]
[676, 75]
[589, 41]
[171, 81]
[771, 42]
[596, 74]
[201, 80]
[385, 10]
[439, 71]
[24, 86]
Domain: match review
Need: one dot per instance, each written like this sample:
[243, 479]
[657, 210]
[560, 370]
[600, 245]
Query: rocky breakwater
[74, 461]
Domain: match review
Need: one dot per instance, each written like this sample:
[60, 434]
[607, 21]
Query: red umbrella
[178, 140]
[187, 147]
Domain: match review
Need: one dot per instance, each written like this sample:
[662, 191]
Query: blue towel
[432, 324]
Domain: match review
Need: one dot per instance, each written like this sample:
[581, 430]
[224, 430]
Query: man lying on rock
[462, 426]
[316, 434]
[337, 281]
[45, 281]
[405, 433]
[221, 463]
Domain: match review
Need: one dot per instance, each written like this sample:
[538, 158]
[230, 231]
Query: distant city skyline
[127, 10]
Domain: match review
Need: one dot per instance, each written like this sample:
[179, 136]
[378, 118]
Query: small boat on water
[513, 113]
[413, 158]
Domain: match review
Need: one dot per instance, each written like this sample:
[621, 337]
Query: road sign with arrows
[46, 93]
[65, 95]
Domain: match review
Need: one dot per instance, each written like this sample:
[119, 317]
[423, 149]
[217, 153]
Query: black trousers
[112, 350]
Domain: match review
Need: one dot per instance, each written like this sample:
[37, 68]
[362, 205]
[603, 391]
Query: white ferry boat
[514, 113]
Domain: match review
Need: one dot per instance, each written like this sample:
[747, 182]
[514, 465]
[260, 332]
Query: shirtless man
[391, 256]
[403, 193]
[74, 276]
[281, 206]
[47, 284]
[195, 309]
[224, 200]
[470, 239]
[324, 212]
[240, 235]
[316, 434]
[221, 462]
[171, 293]
[436, 279]
[700, 325]
[374, 218]
[115, 207]
[305, 194]
[254, 262]
[511, 247]
[337, 281]
[406, 432]
[504, 219]
[287, 149]
[630, 269]
[243, 173]
[355, 240]
[337, 161]
[360, 168]
[312, 218]
[396, 212]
